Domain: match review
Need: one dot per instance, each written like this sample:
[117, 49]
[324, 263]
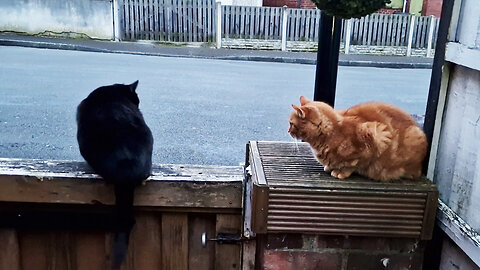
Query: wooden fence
[58, 215]
[207, 21]
[167, 20]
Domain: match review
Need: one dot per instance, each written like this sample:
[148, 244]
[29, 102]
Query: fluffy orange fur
[374, 139]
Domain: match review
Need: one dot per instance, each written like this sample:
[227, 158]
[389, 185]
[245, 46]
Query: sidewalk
[150, 48]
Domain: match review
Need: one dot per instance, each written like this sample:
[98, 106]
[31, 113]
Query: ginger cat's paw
[326, 169]
[341, 174]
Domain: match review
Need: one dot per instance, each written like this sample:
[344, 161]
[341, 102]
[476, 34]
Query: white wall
[90, 17]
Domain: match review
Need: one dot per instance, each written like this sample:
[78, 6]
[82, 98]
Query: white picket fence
[207, 21]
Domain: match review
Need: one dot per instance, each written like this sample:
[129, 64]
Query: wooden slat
[200, 257]
[271, 31]
[263, 22]
[317, 24]
[49, 251]
[228, 256]
[35, 245]
[161, 21]
[388, 41]
[195, 20]
[151, 25]
[141, 21]
[175, 241]
[90, 245]
[257, 22]
[190, 20]
[210, 20]
[156, 23]
[10, 251]
[126, 16]
[251, 21]
[185, 17]
[146, 242]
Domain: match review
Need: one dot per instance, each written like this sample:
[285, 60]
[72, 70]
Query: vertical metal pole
[436, 79]
[327, 59]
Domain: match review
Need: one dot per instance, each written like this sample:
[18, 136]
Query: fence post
[117, 35]
[284, 28]
[410, 35]
[348, 36]
[430, 36]
[219, 24]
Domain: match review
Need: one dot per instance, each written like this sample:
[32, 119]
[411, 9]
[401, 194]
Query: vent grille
[303, 198]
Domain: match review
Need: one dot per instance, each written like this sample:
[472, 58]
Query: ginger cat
[374, 139]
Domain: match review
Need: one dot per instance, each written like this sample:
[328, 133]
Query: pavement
[165, 50]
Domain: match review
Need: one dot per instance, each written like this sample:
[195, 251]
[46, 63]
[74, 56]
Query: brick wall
[310, 252]
[289, 3]
[432, 7]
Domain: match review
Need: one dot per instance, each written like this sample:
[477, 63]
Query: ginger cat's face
[311, 118]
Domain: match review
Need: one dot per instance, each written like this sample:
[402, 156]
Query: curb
[290, 60]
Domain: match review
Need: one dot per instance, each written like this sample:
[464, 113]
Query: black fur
[117, 143]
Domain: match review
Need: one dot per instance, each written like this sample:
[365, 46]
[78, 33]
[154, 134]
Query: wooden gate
[168, 20]
[57, 216]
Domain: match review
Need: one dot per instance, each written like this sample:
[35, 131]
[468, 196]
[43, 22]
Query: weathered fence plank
[175, 240]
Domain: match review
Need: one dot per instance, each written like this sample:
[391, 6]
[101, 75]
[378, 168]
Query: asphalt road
[200, 111]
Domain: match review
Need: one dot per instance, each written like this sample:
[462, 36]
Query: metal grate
[303, 198]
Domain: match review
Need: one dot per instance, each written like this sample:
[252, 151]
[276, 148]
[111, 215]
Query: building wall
[92, 18]
[415, 7]
[432, 8]
[314, 252]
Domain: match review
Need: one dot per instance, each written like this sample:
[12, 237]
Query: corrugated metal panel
[303, 198]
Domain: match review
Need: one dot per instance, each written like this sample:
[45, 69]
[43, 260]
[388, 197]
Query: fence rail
[207, 21]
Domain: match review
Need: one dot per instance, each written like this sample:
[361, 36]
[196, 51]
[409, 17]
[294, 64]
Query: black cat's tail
[125, 220]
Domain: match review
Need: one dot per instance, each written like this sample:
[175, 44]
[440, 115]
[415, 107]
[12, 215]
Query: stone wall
[311, 252]
[260, 44]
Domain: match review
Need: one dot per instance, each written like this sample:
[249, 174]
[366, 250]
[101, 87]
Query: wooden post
[219, 25]
[348, 36]
[117, 34]
[430, 36]
[410, 35]
[284, 28]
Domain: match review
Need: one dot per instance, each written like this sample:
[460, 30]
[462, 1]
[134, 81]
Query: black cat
[117, 143]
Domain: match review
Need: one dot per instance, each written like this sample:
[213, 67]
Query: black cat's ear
[133, 86]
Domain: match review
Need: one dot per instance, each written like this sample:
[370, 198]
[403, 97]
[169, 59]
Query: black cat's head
[116, 92]
[129, 92]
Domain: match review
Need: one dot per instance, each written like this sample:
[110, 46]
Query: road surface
[200, 111]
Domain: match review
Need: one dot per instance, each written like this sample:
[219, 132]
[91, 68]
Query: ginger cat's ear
[300, 111]
[304, 100]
